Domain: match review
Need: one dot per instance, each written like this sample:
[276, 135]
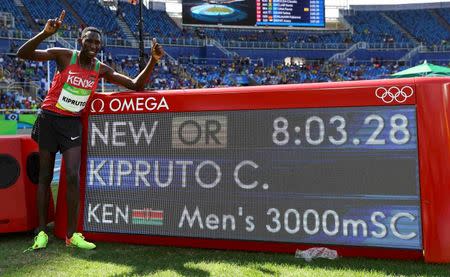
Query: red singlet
[71, 88]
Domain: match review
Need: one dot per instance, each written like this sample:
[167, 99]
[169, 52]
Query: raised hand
[157, 50]
[53, 25]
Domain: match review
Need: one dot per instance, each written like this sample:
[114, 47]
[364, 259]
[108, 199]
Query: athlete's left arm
[137, 83]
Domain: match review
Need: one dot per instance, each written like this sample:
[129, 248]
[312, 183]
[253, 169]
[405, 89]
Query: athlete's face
[91, 43]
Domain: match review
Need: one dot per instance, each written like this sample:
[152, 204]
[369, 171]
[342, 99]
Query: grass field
[113, 259]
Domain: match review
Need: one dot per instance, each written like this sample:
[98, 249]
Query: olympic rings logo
[394, 93]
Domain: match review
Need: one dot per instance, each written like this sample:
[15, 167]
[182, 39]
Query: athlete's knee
[45, 177]
[72, 177]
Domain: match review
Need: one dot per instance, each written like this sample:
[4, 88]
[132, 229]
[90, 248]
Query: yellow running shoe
[77, 240]
[40, 241]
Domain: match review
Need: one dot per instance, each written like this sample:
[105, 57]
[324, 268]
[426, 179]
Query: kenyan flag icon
[148, 217]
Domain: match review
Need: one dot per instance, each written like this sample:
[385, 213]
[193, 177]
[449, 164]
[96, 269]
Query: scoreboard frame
[256, 25]
[429, 95]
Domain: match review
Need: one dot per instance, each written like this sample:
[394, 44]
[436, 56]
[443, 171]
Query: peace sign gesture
[53, 25]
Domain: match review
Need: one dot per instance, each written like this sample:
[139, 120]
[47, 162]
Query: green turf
[8, 127]
[113, 259]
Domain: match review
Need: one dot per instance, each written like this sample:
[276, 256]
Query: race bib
[73, 99]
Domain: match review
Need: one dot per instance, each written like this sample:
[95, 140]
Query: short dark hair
[91, 29]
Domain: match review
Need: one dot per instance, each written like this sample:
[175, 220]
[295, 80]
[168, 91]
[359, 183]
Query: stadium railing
[273, 44]
[18, 111]
[395, 45]
[300, 45]
[17, 34]
[435, 48]
[30, 88]
[177, 41]
[210, 61]
[115, 42]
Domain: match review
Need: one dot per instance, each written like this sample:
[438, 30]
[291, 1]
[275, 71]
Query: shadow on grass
[165, 258]
[144, 260]
[152, 259]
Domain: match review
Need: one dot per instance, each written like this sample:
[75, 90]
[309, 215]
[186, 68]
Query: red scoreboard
[360, 167]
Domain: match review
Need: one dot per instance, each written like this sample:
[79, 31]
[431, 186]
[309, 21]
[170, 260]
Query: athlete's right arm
[29, 49]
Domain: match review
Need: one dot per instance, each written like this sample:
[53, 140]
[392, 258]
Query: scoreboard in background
[295, 13]
[361, 167]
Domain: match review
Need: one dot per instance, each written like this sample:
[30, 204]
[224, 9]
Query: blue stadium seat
[156, 23]
[421, 24]
[46, 9]
[98, 16]
[9, 7]
[371, 26]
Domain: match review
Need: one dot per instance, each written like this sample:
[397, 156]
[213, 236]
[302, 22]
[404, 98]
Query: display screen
[342, 176]
[295, 13]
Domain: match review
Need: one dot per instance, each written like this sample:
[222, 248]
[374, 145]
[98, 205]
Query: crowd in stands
[426, 26]
[13, 69]
[195, 73]
[19, 75]
[13, 101]
[387, 27]
[190, 73]
[242, 72]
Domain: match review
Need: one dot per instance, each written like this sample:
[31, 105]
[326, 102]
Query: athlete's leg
[72, 159]
[46, 166]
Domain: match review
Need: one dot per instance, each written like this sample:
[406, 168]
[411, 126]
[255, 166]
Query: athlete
[59, 125]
